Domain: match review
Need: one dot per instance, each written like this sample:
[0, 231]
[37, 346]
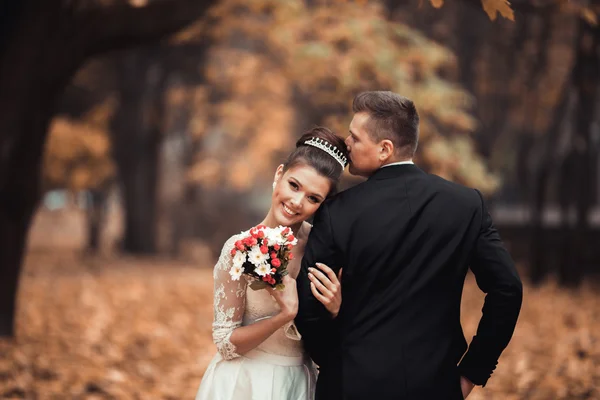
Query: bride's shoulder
[229, 243]
[225, 258]
[306, 228]
[233, 238]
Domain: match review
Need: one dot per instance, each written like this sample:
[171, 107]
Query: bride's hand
[326, 287]
[287, 298]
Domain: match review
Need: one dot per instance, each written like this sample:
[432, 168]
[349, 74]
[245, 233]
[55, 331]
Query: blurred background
[137, 136]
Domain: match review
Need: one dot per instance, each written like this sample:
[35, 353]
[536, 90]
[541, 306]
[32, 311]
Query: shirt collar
[398, 163]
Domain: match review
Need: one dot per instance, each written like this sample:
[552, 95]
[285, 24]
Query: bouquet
[263, 254]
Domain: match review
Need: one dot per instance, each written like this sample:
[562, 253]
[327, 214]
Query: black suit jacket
[406, 239]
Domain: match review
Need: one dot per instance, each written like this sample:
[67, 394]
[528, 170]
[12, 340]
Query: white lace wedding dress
[277, 369]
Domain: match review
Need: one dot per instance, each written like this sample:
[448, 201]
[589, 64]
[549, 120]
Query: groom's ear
[386, 150]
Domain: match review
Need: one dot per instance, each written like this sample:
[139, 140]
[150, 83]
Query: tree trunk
[137, 133]
[586, 78]
[27, 95]
[470, 34]
[41, 48]
[566, 185]
[499, 106]
[96, 215]
[539, 263]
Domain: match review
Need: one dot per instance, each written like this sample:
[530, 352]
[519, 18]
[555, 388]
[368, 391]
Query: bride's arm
[231, 338]
[246, 338]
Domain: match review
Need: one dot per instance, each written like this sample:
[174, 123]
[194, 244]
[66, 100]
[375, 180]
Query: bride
[260, 353]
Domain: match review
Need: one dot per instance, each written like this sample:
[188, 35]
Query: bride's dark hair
[320, 160]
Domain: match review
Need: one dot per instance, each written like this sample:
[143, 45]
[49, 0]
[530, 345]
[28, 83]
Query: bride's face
[298, 193]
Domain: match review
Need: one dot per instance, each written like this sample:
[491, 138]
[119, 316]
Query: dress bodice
[236, 304]
[259, 305]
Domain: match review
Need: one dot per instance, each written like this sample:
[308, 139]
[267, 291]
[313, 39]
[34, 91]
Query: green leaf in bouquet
[258, 285]
[284, 273]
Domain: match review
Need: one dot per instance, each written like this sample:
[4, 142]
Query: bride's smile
[297, 194]
[288, 210]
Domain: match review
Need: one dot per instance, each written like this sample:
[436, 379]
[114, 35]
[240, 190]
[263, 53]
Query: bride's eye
[313, 199]
[294, 185]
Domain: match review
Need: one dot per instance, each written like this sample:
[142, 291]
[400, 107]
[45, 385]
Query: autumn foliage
[78, 152]
[126, 329]
[275, 68]
[279, 67]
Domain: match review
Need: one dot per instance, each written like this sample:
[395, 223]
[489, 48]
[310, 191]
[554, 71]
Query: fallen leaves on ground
[141, 329]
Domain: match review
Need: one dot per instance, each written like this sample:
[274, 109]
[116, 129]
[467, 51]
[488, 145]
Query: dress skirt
[258, 376]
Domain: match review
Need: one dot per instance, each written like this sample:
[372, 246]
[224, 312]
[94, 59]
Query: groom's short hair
[392, 117]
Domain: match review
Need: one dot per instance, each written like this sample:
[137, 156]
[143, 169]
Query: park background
[137, 136]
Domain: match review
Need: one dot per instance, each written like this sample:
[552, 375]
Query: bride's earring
[274, 184]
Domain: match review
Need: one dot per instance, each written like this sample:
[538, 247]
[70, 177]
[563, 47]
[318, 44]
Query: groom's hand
[466, 386]
[326, 287]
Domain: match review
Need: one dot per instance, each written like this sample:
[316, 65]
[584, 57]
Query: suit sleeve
[319, 330]
[496, 276]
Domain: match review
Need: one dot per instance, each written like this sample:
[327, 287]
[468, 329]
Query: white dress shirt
[398, 163]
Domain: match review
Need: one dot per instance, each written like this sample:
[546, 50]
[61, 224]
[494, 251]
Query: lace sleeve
[229, 303]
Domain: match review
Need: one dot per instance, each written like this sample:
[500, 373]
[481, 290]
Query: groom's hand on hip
[466, 386]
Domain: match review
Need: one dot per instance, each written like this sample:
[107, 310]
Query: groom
[405, 240]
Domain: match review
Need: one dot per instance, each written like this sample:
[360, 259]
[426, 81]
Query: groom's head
[385, 129]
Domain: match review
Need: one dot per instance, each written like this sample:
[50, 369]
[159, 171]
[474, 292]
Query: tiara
[329, 149]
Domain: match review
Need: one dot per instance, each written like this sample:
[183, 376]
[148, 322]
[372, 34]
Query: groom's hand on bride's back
[326, 287]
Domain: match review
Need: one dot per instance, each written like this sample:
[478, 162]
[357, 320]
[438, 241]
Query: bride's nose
[296, 201]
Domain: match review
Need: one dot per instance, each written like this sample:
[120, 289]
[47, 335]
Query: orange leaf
[493, 7]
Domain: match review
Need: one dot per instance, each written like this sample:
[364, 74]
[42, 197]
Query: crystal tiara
[329, 149]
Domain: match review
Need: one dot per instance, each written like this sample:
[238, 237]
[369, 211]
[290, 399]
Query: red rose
[264, 249]
[253, 241]
[261, 226]
[233, 251]
[291, 256]
[276, 262]
[266, 278]
[273, 270]
[260, 234]
[276, 247]
[285, 231]
[239, 245]
[290, 238]
[265, 242]
[273, 255]
[272, 281]
[290, 246]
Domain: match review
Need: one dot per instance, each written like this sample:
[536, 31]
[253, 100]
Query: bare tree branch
[122, 25]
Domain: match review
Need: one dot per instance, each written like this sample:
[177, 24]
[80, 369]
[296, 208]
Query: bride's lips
[287, 211]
